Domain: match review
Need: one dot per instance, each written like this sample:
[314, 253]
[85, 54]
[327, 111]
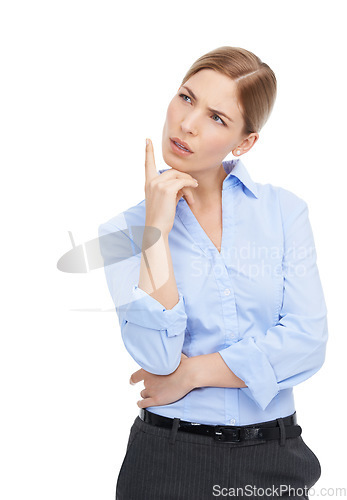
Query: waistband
[280, 428]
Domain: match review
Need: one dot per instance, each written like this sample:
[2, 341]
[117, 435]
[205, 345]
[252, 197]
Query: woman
[223, 309]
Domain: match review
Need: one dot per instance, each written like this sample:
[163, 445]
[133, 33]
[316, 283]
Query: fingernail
[147, 142]
[130, 382]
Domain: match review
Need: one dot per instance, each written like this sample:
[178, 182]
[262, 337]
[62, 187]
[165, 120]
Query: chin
[176, 165]
[171, 161]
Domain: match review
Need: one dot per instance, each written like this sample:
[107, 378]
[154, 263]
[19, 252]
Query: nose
[189, 124]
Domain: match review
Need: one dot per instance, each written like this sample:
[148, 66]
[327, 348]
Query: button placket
[229, 308]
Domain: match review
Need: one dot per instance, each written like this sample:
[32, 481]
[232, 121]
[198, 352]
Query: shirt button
[233, 421]
[232, 336]
[227, 291]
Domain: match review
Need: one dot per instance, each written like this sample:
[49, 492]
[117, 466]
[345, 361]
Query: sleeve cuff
[146, 311]
[251, 365]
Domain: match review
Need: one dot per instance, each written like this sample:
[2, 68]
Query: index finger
[136, 376]
[150, 168]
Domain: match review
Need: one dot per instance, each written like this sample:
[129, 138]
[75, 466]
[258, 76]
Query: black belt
[272, 429]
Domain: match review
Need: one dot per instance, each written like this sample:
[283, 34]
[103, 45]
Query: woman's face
[209, 134]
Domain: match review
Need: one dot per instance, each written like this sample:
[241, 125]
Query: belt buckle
[233, 433]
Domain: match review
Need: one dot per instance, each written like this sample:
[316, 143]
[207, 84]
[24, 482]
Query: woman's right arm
[157, 276]
[162, 194]
[150, 309]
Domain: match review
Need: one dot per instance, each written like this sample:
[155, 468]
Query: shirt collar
[235, 170]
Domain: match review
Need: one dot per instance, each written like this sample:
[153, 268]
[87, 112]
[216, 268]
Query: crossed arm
[206, 370]
[197, 371]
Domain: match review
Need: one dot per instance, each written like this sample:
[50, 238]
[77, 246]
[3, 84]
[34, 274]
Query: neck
[209, 190]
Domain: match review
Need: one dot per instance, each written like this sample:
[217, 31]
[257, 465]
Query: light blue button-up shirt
[259, 302]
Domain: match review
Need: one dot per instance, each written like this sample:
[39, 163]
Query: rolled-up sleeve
[152, 334]
[294, 349]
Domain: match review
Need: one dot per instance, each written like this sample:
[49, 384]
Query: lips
[182, 143]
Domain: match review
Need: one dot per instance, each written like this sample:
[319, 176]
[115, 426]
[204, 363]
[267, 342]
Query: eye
[183, 97]
[221, 121]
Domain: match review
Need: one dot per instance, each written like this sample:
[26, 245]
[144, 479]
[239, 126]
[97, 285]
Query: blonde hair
[256, 85]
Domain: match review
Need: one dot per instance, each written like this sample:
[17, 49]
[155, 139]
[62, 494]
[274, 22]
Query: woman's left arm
[293, 349]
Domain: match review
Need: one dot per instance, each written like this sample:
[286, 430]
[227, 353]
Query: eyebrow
[210, 109]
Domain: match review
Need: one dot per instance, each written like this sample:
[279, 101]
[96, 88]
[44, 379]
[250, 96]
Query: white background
[82, 85]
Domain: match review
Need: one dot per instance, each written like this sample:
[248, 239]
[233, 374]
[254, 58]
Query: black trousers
[166, 464]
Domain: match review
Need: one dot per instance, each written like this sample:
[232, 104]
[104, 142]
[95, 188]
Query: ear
[249, 142]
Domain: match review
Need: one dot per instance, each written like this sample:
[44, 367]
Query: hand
[163, 389]
[163, 192]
